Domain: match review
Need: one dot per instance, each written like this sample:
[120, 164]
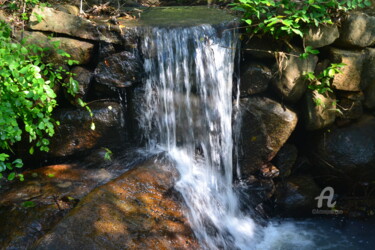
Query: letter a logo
[328, 197]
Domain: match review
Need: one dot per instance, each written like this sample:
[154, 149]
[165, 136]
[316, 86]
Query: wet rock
[348, 150]
[285, 159]
[357, 30]
[30, 208]
[75, 135]
[291, 83]
[254, 192]
[68, 24]
[79, 51]
[138, 210]
[255, 78]
[320, 109]
[296, 197]
[266, 125]
[368, 78]
[119, 70]
[350, 78]
[321, 36]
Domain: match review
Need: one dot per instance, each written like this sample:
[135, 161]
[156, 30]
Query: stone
[63, 23]
[79, 51]
[269, 171]
[52, 191]
[320, 109]
[138, 210]
[368, 78]
[75, 135]
[285, 159]
[265, 127]
[321, 36]
[255, 78]
[296, 196]
[350, 78]
[357, 30]
[350, 105]
[348, 150]
[83, 76]
[290, 82]
[119, 70]
[262, 48]
[67, 8]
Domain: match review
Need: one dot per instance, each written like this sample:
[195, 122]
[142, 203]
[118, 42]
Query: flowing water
[187, 113]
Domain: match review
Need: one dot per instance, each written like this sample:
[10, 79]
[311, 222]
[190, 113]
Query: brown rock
[350, 78]
[138, 210]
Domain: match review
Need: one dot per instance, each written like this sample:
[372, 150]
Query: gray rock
[320, 109]
[350, 78]
[296, 197]
[321, 36]
[349, 149]
[119, 70]
[368, 78]
[357, 30]
[255, 78]
[75, 135]
[291, 83]
[266, 125]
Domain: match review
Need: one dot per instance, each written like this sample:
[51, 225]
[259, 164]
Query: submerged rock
[138, 210]
[266, 126]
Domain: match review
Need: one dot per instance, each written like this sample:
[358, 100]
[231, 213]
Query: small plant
[322, 82]
[108, 154]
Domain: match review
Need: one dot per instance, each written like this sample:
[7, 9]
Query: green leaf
[11, 176]
[28, 204]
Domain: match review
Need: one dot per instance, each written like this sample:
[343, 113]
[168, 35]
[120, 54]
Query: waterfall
[187, 112]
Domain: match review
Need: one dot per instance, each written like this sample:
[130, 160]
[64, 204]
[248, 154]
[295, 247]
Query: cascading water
[188, 113]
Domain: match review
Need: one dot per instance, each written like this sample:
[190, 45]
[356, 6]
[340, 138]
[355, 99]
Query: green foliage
[27, 98]
[108, 154]
[28, 204]
[286, 18]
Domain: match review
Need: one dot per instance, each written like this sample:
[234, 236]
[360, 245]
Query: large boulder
[368, 78]
[285, 159]
[296, 196]
[321, 36]
[80, 51]
[255, 78]
[266, 126]
[75, 134]
[30, 208]
[320, 109]
[357, 30]
[348, 150]
[49, 19]
[291, 83]
[350, 105]
[119, 70]
[350, 78]
[138, 210]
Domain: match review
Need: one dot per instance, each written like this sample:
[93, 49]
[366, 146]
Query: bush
[27, 98]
